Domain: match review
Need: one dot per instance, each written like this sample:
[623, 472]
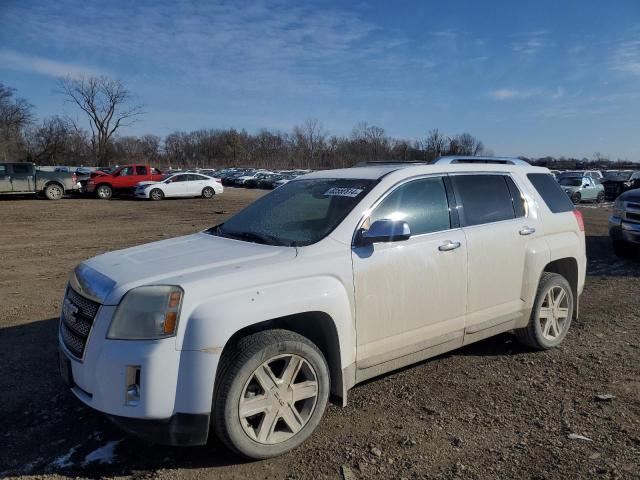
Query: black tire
[620, 248]
[104, 192]
[532, 335]
[600, 198]
[576, 198]
[156, 194]
[237, 367]
[208, 192]
[53, 191]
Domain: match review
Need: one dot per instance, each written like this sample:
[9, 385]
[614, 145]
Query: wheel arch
[318, 327]
[53, 182]
[568, 268]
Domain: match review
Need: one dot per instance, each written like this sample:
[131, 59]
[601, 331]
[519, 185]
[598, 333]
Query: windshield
[619, 175]
[571, 181]
[299, 213]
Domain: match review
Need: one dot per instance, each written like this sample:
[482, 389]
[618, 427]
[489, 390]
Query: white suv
[250, 327]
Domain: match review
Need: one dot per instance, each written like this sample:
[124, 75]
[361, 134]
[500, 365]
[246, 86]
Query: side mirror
[382, 231]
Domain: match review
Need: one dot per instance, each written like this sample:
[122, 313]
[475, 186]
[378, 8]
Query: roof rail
[467, 159]
[369, 163]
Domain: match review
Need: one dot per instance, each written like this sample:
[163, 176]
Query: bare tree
[15, 115]
[108, 105]
[310, 137]
[465, 144]
[434, 145]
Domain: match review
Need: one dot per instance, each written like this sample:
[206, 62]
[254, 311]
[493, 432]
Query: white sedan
[180, 185]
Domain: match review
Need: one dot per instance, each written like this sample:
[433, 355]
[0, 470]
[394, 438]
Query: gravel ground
[490, 410]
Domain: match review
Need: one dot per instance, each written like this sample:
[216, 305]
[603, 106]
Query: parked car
[616, 184]
[180, 185]
[246, 329]
[252, 182]
[122, 180]
[624, 224]
[24, 178]
[582, 188]
[595, 175]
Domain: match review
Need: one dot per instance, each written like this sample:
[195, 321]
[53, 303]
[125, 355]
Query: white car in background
[180, 185]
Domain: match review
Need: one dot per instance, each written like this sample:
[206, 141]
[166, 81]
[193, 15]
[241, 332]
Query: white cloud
[509, 94]
[529, 43]
[504, 94]
[44, 66]
[627, 57]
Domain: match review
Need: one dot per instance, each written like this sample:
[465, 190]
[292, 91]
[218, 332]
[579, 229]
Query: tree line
[107, 106]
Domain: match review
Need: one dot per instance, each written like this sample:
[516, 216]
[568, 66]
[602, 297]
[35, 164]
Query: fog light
[132, 394]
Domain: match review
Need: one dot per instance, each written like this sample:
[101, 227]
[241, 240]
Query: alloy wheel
[279, 399]
[554, 313]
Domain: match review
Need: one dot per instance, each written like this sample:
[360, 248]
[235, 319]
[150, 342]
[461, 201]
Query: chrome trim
[69, 353]
[90, 283]
[630, 227]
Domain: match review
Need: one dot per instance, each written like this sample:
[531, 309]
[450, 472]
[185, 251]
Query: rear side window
[141, 170]
[551, 192]
[21, 168]
[421, 203]
[484, 198]
[519, 203]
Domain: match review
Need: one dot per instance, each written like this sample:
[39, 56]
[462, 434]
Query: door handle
[449, 245]
[527, 230]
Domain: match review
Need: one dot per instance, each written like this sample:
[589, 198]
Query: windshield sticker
[343, 192]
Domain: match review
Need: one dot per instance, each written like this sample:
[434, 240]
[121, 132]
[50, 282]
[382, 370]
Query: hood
[568, 188]
[630, 196]
[177, 261]
[145, 183]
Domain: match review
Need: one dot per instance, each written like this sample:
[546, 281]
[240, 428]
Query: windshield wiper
[251, 236]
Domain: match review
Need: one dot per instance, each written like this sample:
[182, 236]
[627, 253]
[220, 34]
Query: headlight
[147, 313]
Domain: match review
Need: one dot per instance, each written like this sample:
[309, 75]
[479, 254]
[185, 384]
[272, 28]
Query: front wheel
[600, 198]
[575, 198]
[53, 192]
[156, 194]
[272, 391]
[208, 192]
[551, 314]
[104, 192]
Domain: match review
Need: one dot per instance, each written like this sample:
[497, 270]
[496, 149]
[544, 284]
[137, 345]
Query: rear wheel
[551, 315]
[208, 192]
[576, 197]
[53, 191]
[272, 390]
[156, 194]
[104, 192]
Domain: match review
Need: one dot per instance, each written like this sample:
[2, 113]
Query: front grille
[634, 217]
[76, 320]
[635, 206]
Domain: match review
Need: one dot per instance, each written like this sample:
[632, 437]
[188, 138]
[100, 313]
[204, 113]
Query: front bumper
[176, 386]
[625, 231]
[181, 430]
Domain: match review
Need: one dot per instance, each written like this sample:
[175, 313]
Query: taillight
[218, 180]
[74, 178]
[579, 218]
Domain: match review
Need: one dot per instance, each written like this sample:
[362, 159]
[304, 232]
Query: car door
[494, 219]
[195, 184]
[5, 179]
[21, 177]
[589, 189]
[176, 186]
[410, 295]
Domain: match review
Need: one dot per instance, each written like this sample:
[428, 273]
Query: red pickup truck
[123, 179]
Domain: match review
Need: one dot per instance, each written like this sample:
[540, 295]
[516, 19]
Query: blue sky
[528, 78]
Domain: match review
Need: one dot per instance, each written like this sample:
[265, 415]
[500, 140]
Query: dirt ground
[490, 410]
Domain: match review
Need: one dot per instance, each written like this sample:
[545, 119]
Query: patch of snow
[104, 454]
[64, 461]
